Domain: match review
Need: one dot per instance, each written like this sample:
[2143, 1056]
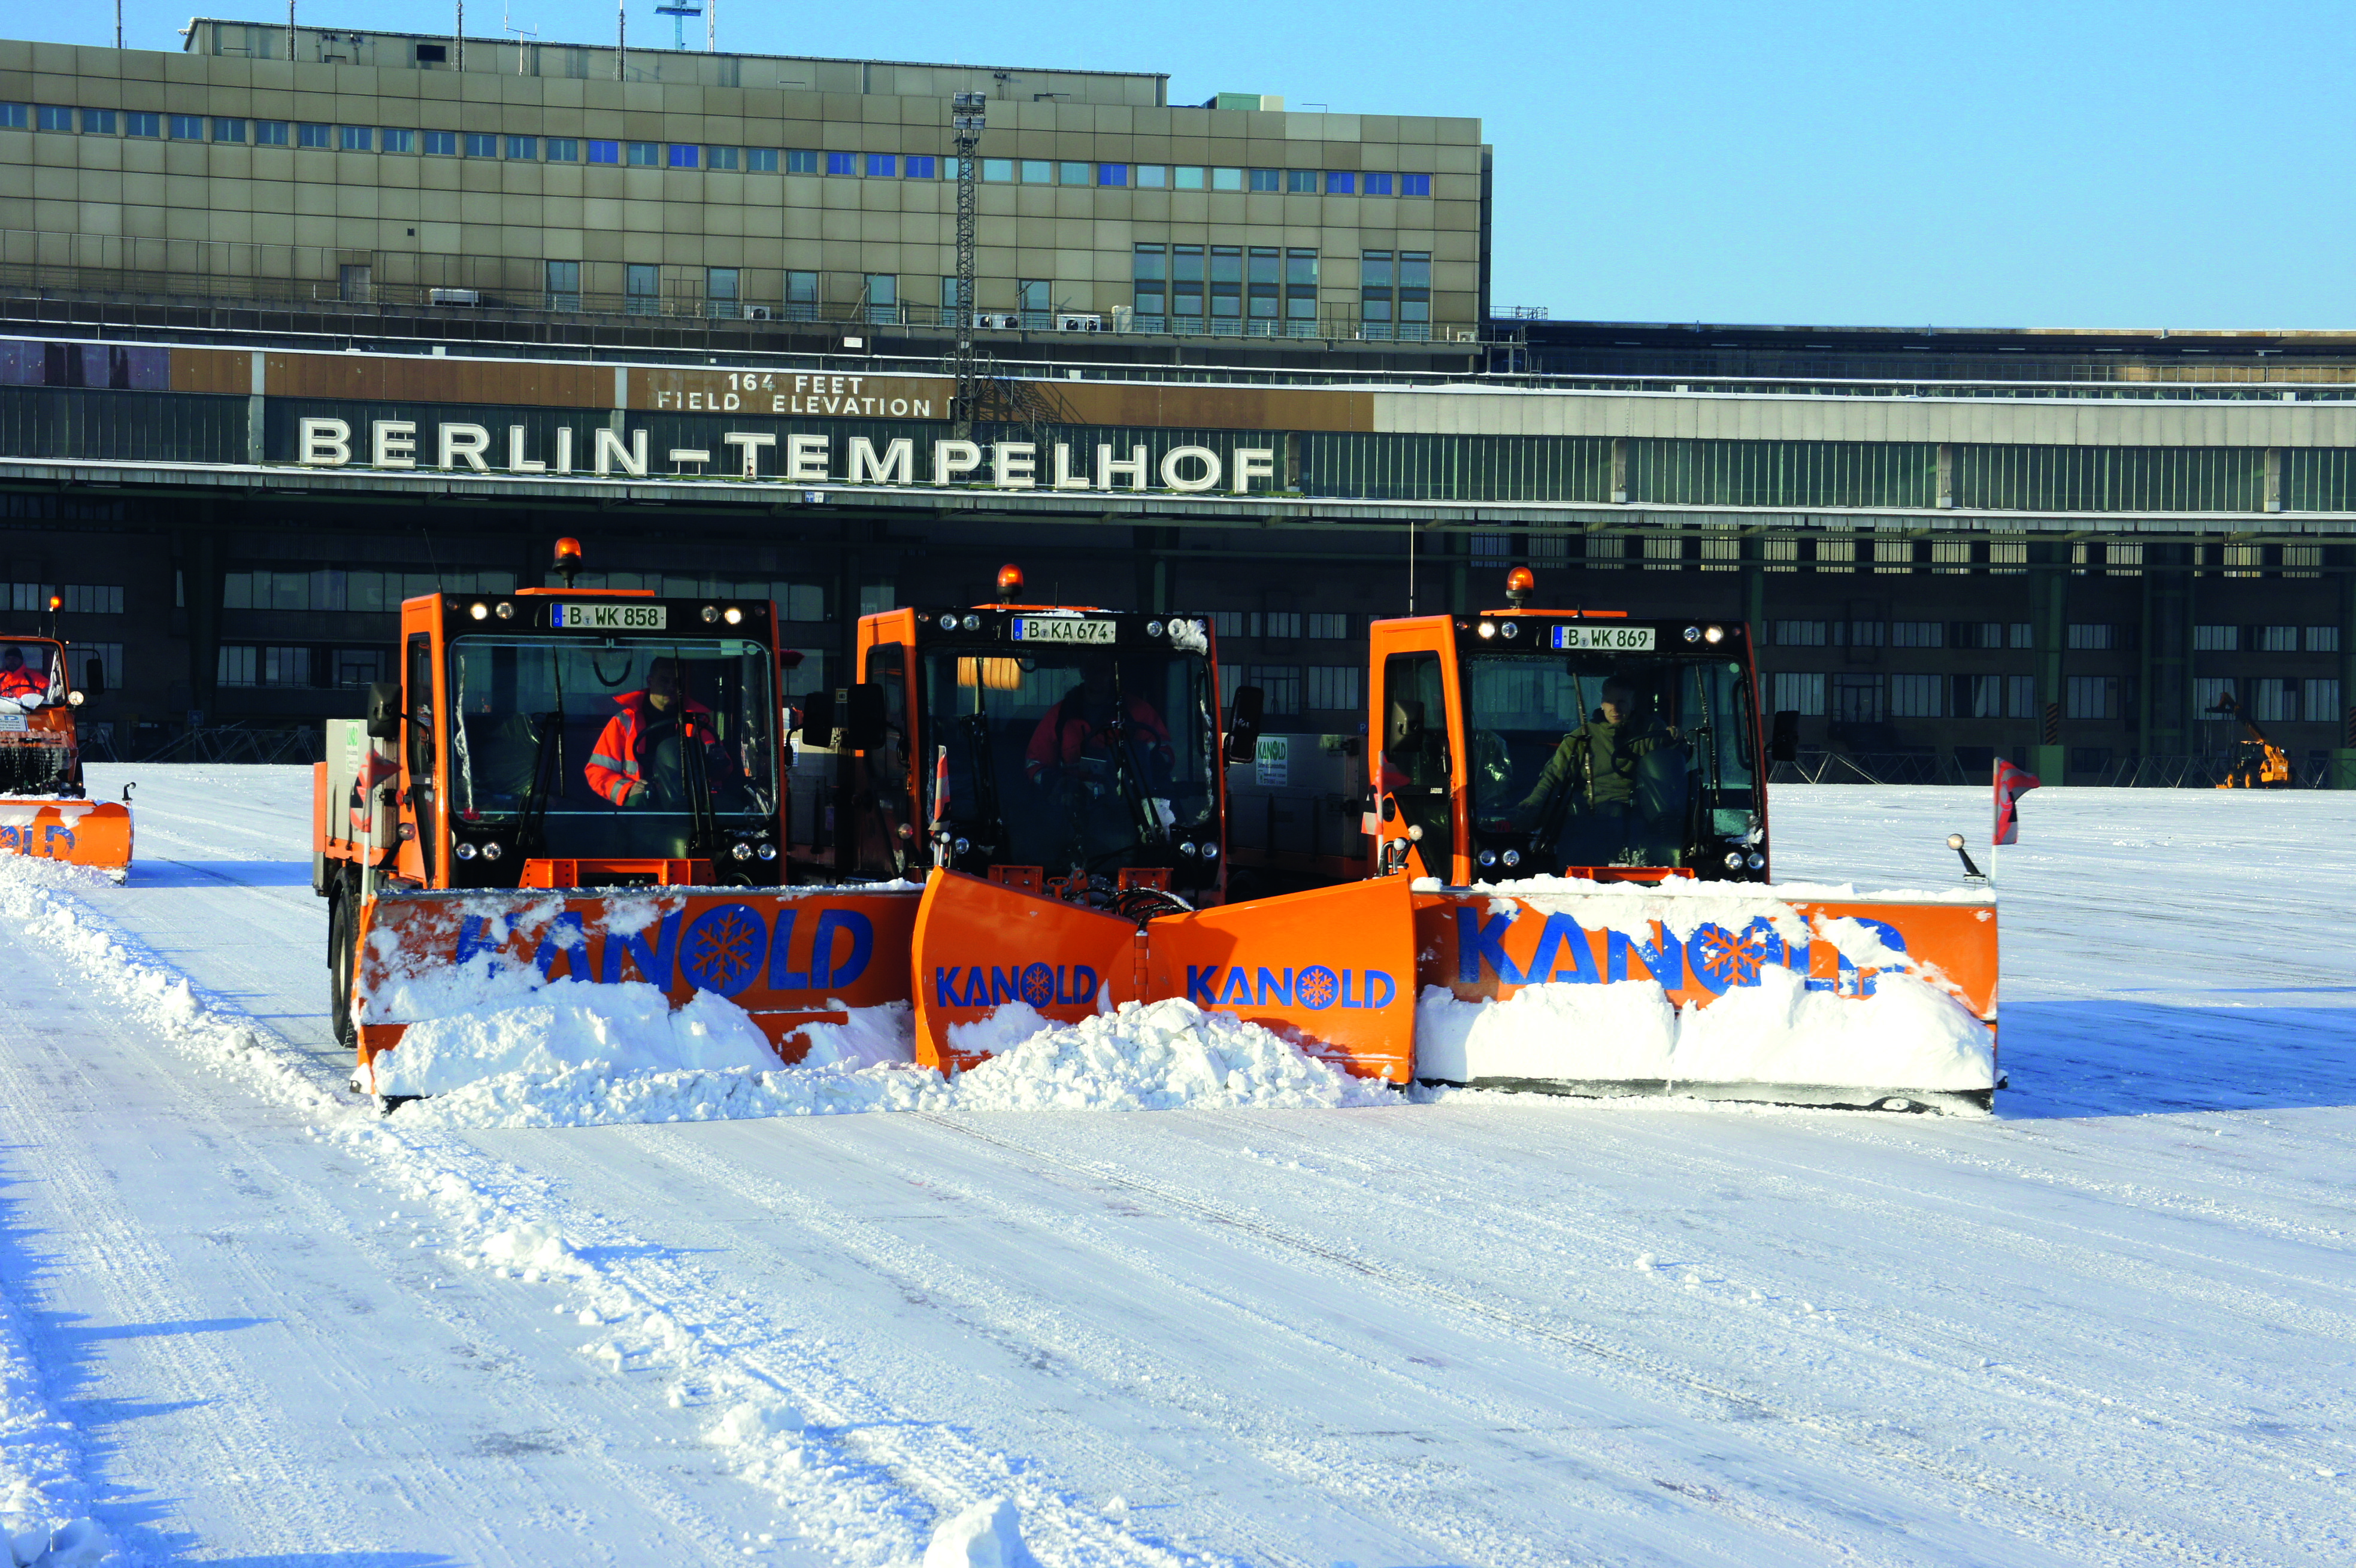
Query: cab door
[882, 786]
[1416, 733]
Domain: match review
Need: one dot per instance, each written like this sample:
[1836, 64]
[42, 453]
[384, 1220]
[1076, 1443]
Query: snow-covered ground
[242, 1319]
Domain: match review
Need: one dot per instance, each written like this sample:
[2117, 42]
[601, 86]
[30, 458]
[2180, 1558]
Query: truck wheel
[341, 919]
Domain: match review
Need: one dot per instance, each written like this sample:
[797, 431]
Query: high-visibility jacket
[617, 764]
[1066, 734]
[23, 681]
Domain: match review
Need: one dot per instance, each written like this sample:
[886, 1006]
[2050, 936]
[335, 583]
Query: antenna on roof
[679, 11]
[520, 34]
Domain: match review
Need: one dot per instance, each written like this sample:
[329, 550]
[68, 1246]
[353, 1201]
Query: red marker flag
[2011, 783]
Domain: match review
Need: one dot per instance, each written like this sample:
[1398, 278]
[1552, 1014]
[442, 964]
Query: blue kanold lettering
[1283, 987]
[479, 934]
[567, 937]
[1477, 940]
[1665, 963]
[1005, 984]
[1379, 989]
[1346, 1001]
[826, 969]
[1564, 935]
[1239, 988]
[653, 958]
[783, 976]
[1084, 985]
[976, 988]
[1198, 985]
[945, 987]
[50, 835]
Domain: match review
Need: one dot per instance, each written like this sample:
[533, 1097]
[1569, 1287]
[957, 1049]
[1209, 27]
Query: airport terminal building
[260, 380]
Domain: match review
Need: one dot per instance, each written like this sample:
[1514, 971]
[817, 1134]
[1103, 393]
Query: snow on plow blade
[788, 959]
[1331, 970]
[80, 832]
[1713, 991]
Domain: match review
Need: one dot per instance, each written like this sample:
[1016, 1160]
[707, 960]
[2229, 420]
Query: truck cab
[40, 753]
[1585, 742]
[1040, 745]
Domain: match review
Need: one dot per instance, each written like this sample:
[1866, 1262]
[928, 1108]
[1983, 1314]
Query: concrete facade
[729, 188]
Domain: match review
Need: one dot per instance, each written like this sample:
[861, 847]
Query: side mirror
[1784, 745]
[818, 719]
[384, 714]
[93, 677]
[858, 717]
[1243, 723]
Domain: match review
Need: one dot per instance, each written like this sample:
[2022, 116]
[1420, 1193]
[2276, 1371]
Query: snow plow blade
[1886, 1003]
[95, 833]
[789, 959]
[1331, 970]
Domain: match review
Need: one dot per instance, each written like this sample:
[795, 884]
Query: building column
[2165, 694]
[255, 449]
[2343, 756]
[2048, 590]
[202, 579]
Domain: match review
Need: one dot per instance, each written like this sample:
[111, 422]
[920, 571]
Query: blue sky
[2060, 165]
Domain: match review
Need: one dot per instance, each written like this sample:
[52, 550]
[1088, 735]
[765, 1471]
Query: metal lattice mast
[967, 115]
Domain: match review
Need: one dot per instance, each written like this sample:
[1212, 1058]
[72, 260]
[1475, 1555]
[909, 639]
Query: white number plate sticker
[1043, 629]
[610, 617]
[17, 722]
[1605, 639]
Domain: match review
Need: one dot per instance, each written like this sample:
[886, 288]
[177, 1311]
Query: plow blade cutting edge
[1722, 994]
[95, 833]
[788, 959]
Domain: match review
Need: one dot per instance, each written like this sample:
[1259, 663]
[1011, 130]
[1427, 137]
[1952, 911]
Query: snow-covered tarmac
[242, 1320]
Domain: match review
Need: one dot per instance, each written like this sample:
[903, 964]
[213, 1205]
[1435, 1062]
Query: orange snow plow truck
[1552, 872]
[583, 784]
[45, 809]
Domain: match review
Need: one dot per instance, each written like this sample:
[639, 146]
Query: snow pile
[987, 1535]
[629, 1027]
[1155, 1057]
[1907, 1035]
[1165, 1056]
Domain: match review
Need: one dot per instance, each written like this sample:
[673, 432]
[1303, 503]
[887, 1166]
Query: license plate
[19, 723]
[1605, 639]
[608, 617]
[1044, 629]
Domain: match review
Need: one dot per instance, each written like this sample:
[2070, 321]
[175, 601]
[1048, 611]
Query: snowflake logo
[1728, 959]
[1316, 987]
[721, 950]
[1038, 985]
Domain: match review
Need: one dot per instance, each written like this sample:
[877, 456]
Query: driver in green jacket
[1596, 763]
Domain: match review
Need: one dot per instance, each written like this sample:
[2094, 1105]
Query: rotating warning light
[57, 603]
[1518, 583]
[568, 558]
[1010, 583]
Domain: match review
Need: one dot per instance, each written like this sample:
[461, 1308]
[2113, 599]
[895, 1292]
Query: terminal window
[761, 160]
[719, 157]
[137, 123]
[13, 117]
[644, 154]
[54, 117]
[1301, 182]
[479, 143]
[524, 148]
[191, 128]
[920, 166]
[1112, 174]
[1152, 176]
[1379, 185]
[883, 165]
[1414, 185]
[841, 163]
[684, 157]
[599, 151]
[1267, 263]
[1332, 689]
[1341, 182]
[1038, 171]
[229, 130]
[1801, 693]
[1226, 281]
[399, 140]
[1071, 174]
[442, 144]
[266, 132]
[563, 150]
[97, 122]
[801, 161]
[1268, 179]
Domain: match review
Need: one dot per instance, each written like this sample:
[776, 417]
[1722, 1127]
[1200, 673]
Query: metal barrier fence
[231, 743]
[2205, 772]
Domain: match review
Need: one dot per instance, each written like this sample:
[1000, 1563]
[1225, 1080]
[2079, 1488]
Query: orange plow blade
[788, 959]
[79, 832]
[1735, 995]
[1331, 970]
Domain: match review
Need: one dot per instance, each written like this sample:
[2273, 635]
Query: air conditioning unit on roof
[454, 296]
[998, 320]
[757, 313]
[1077, 321]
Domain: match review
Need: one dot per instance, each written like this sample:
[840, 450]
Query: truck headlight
[492, 852]
[74, 699]
[465, 851]
[767, 851]
[743, 851]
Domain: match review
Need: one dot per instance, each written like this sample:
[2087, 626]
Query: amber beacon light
[1010, 583]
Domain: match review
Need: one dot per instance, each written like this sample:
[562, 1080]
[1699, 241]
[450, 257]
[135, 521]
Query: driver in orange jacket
[651, 719]
[19, 680]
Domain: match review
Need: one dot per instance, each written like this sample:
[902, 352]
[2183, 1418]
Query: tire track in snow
[2084, 1515]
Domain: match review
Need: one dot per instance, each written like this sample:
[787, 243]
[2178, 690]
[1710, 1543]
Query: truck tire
[341, 919]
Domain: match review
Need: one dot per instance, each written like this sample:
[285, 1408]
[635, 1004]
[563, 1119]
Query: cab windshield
[28, 675]
[609, 742]
[1593, 759]
[1070, 759]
